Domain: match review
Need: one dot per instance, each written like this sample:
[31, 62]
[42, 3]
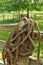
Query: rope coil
[20, 42]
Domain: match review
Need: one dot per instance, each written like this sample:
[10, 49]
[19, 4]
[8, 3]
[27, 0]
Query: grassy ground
[10, 21]
[41, 25]
[4, 34]
[36, 49]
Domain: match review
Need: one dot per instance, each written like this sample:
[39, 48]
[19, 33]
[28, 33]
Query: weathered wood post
[23, 61]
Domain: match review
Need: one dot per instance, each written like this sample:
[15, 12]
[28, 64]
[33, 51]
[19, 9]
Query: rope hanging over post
[20, 42]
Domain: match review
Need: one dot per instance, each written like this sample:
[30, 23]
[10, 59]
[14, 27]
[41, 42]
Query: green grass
[10, 21]
[4, 34]
[36, 49]
[39, 21]
[41, 26]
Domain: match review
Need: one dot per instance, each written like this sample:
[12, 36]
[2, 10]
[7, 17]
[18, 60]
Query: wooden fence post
[13, 16]
[3, 17]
